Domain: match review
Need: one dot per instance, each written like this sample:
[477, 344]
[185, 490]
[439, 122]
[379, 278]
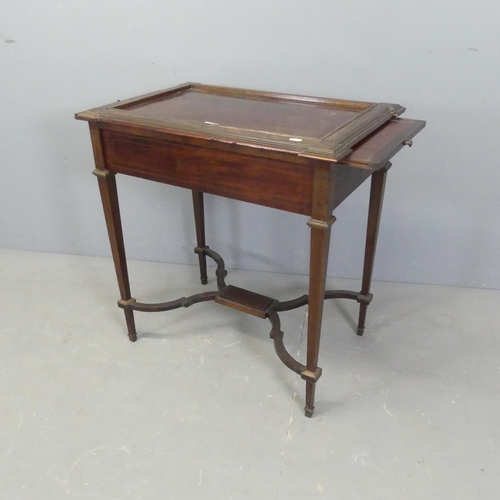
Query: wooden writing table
[299, 154]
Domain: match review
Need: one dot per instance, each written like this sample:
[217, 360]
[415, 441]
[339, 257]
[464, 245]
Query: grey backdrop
[439, 59]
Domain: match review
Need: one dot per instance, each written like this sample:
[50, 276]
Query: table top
[310, 126]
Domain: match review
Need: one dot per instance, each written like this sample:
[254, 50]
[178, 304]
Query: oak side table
[294, 153]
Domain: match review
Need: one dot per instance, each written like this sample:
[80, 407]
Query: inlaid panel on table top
[308, 126]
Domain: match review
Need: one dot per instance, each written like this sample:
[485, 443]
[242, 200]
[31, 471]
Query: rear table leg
[374, 212]
[199, 219]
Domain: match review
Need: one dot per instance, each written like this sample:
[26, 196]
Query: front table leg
[109, 197]
[374, 212]
[320, 244]
[320, 223]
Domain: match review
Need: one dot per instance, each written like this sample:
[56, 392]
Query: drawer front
[272, 183]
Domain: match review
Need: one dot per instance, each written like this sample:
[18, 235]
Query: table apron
[267, 182]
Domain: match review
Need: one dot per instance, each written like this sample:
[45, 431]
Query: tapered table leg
[320, 223]
[199, 219]
[109, 197]
[320, 244]
[374, 212]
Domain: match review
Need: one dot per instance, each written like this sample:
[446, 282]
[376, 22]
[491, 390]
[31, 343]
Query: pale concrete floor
[200, 407]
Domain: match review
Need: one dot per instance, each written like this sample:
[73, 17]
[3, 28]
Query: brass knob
[408, 143]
